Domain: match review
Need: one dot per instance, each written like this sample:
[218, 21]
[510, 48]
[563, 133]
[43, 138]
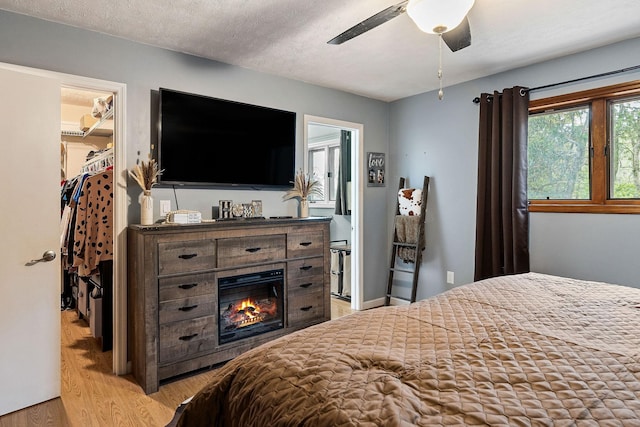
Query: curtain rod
[476, 100]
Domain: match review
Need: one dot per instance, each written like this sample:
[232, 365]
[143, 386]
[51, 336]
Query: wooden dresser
[173, 287]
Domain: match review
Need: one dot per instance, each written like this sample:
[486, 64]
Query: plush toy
[409, 201]
[101, 105]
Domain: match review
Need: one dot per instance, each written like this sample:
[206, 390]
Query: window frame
[598, 99]
[325, 146]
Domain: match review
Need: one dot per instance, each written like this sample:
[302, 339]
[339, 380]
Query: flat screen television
[217, 143]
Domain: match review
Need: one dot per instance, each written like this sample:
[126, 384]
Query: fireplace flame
[247, 312]
[243, 313]
[249, 308]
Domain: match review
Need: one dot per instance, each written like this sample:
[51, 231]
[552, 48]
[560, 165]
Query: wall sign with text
[375, 169]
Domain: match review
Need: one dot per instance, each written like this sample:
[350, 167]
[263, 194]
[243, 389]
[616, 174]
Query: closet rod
[106, 156]
[476, 100]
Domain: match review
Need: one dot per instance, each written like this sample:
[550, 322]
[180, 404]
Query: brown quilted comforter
[520, 350]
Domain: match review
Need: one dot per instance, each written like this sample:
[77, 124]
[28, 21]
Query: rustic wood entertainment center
[174, 280]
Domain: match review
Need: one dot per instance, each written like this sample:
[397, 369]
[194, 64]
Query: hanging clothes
[93, 230]
[70, 195]
[86, 235]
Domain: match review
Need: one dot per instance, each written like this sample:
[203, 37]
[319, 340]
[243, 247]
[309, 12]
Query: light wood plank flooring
[92, 396]
[340, 307]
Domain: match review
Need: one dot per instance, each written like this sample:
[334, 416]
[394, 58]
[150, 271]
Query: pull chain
[440, 92]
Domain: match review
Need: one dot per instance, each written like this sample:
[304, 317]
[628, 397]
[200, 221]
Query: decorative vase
[304, 208]
[146, 208]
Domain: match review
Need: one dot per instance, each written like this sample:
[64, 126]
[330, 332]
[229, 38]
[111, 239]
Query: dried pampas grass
[145, 174]
[303, 187]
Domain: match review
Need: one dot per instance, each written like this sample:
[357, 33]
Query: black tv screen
[211, 142]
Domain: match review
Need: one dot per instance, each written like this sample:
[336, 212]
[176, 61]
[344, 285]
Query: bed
[518, 350]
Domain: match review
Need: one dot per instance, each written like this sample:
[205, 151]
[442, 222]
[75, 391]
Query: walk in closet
[87, 145]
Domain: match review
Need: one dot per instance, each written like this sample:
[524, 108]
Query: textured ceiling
[395, 60]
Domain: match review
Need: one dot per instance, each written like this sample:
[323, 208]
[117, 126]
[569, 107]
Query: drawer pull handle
[305, 243]
[187, 337]
[306, 285]
[188, 286]
[252, 250]
[187, 256]
[307, 308]
[188, 308]
[306, 267]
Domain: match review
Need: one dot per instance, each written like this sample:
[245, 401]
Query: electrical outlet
[450, 277]
[165, 207]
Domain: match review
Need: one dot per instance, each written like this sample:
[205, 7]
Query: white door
[29, 224]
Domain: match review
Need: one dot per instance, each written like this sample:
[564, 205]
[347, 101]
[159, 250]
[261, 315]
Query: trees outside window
[584, 151]
[625, 147]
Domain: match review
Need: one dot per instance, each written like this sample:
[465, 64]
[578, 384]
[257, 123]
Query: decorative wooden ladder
[418, 250]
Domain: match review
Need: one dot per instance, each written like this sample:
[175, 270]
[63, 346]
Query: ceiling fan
[447, 18]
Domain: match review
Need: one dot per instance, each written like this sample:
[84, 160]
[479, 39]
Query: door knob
[46, 257]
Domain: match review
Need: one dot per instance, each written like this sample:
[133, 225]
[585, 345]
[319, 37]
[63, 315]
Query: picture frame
[224, 210]
[257, 208]
[375, 168]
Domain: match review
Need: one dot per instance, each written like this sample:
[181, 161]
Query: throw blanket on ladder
[407, 231]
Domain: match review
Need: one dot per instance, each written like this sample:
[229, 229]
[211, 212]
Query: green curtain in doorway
[343, 206]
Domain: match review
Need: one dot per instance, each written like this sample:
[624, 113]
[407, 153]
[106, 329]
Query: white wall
[439, 139]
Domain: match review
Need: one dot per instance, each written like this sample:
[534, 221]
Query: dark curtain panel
[502, 221]
[344, 174]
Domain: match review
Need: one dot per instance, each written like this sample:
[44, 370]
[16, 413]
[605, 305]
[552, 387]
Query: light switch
[450, 277]
[165, 207]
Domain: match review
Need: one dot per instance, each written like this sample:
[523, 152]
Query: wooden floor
[340, 307]
[92, 396]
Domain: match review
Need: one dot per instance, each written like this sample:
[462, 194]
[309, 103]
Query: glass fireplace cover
[250, 304]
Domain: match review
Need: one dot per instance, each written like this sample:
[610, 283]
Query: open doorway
[118, 315]
[87, 153]
[323, 139]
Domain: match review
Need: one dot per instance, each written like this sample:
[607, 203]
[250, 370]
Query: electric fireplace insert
[250, 304]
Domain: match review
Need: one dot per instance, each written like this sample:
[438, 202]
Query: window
[324, 158]
[584, 151]
[625, 149]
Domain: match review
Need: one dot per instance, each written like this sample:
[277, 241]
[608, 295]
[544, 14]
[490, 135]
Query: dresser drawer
[186, 308]
[186, 256]
[304, 269]
[179, 340]
[306, 307]
[305, 244]
[250, 250]
[309, 285]
[187, 286]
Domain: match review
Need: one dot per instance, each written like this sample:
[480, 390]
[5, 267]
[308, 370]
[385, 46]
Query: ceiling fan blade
[371, 22]
[459, 37]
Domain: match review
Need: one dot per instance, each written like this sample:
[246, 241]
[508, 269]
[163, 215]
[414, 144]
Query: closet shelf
[95, 129]
[66, 132]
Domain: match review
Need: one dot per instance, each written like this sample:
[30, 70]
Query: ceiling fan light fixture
[438, 16]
